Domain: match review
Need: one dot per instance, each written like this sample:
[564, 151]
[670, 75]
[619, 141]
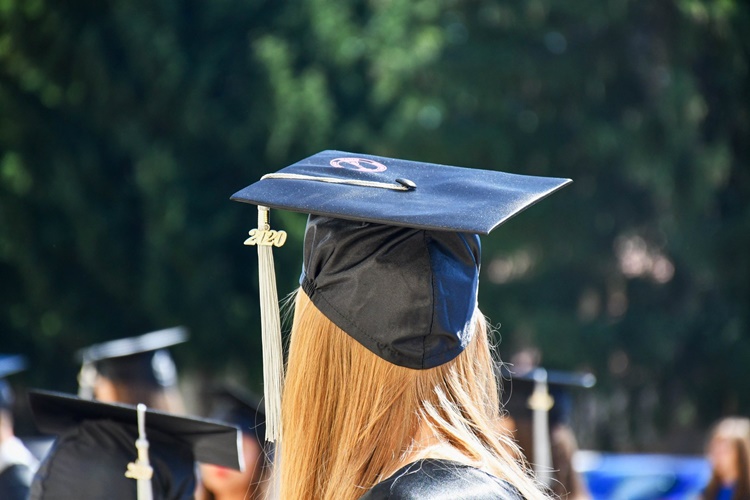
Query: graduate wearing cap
[133, 370]
[17, 464]
[390, 390]
[239, 408]
[539, 408]
[117, 451]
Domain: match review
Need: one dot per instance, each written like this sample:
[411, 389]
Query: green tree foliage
[126, 125]
[640, 270]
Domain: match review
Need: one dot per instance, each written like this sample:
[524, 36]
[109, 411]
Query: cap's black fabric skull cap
[408, 295]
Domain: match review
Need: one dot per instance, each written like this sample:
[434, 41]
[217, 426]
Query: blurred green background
[125, 126]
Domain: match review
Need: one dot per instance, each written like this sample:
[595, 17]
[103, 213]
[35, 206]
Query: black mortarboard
[391, 252]
[240, 408]
[97, 441]
[9, 364]
[142, 359]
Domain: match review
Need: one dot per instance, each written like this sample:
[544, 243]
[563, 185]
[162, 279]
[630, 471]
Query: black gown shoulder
[15, 481]
[442, 480]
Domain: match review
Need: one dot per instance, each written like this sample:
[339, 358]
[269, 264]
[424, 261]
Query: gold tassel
[273, 358]
[141, 469]
[541, 402]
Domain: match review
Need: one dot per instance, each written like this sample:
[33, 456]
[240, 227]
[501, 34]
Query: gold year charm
[266, 237]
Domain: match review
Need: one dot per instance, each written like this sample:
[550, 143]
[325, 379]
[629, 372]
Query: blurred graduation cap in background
[17, 462]
[549, 388]
[238, 407]
[540, 403]
[143, 360]
[9, 364]
[97, 444]
[387, 242]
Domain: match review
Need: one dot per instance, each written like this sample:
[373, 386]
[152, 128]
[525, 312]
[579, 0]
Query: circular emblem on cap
[359, 164]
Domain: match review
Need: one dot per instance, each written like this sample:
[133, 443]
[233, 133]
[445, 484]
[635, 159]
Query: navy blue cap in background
[142, 358]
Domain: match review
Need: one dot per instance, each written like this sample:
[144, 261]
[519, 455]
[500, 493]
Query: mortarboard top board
[391, 253]
[145, 343]
[136, 359]
[421, 195]
[211, 441]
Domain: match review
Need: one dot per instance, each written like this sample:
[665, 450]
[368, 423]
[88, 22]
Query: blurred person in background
[134, 370]
[235, 406]
[17, 464]
[729, 455]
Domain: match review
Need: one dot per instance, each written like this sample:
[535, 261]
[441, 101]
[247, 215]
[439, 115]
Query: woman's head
[391, 251]
[729, 450]
[351, 419]
[383, 347]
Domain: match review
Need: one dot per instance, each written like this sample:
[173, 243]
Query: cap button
[408, 184]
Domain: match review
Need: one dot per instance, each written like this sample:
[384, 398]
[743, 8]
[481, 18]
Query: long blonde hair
[350, 418]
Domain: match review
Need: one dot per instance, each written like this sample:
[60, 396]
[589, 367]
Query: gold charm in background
[541, 400]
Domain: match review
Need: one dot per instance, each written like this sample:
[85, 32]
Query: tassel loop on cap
[273, 359]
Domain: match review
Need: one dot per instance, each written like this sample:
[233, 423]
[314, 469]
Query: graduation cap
[541, 397]
[549, 389]
[142, 359]
[240, 408]
[391, 252]
[9, 364]
[98, 442]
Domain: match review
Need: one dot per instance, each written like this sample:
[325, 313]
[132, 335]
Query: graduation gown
[17, 466]
[442, 480]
